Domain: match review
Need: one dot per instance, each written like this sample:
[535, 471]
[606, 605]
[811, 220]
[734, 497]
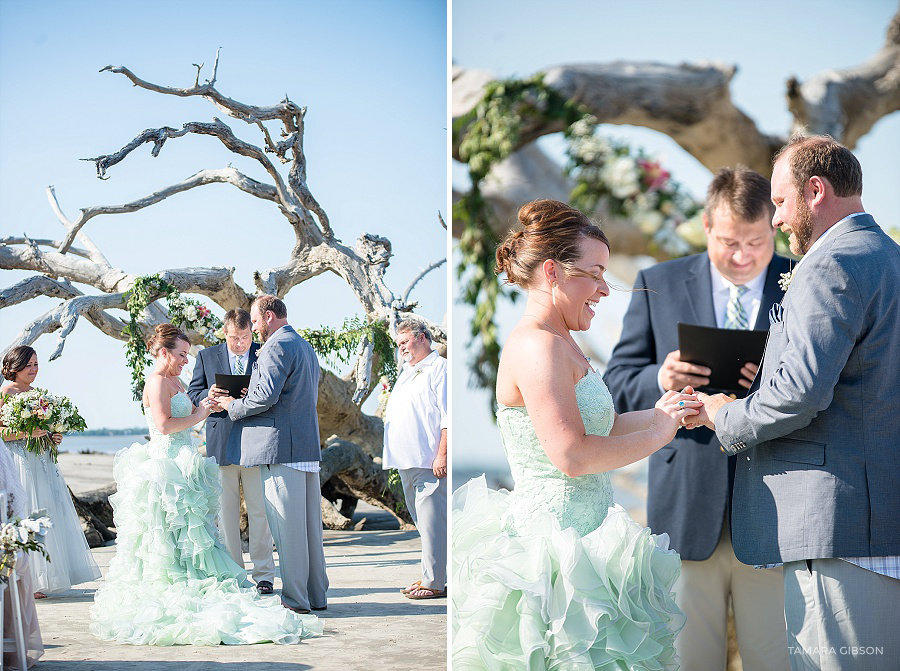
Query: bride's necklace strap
[571, 344]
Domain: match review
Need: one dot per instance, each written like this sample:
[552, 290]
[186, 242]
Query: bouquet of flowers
[26, 535]
[39, 409]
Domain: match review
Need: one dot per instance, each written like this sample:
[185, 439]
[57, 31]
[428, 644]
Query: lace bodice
[580, 503]
[168, 445]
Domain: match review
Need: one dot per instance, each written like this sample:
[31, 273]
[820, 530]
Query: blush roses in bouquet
[39, 409]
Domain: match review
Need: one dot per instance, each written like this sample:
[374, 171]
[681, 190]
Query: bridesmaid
[71, 562]
[34, 646]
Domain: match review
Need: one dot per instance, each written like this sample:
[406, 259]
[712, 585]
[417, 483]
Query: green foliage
[395, 485]
[340, 345]
[142, 293]
[487, 135]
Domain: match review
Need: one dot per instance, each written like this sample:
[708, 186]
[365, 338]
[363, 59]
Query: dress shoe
[264, 587]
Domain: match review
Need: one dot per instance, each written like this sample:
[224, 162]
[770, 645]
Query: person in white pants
[415, 443]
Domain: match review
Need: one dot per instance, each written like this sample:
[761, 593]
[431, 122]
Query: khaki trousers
[230, 520]
[426, 499]
[294, 511]
[757, 597]
[841, 617]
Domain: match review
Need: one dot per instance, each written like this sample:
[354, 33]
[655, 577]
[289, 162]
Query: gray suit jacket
[817, 473]
[280, 424]
[689, 482]
[223, 444]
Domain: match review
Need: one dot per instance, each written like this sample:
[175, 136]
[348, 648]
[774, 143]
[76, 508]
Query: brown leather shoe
[302, 611]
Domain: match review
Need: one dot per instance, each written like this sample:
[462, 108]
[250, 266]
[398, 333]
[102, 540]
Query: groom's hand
[707, 416]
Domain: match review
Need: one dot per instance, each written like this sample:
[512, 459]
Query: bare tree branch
[222, 175]
[846, 103]
[417, 278]
[44, 242]
[37, 285]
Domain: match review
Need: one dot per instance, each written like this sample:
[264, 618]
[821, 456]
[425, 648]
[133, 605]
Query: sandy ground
[368, 624]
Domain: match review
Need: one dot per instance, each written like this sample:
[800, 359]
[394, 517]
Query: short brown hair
[551, 230]
[743, 191]
[268, 302]
[821, 156]
[239, 319]
[15, 360]
[167, 335]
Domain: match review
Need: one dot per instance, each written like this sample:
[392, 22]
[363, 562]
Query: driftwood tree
[691, 103]
[351, 439]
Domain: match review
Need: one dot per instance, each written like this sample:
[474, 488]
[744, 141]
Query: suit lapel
[772, 293]
[699, 293]
[223, 360]
[251, 359]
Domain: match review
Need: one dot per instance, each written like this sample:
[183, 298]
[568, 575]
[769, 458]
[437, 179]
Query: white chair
[16, 644]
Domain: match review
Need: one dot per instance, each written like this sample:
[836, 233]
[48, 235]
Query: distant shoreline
[133, 431]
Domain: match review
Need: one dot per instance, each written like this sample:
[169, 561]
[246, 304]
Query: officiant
[235, 356]
[732, 285]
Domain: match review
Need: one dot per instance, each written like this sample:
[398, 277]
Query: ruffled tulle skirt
[171, 581]
[70, 562]
[549, 599]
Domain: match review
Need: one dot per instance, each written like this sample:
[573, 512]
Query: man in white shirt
[235, 356]
[415, 443]
[690, 481]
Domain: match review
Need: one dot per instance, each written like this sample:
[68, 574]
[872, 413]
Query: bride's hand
[670, 410]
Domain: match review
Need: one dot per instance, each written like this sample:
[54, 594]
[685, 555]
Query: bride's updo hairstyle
[166, 336]
[550, 230]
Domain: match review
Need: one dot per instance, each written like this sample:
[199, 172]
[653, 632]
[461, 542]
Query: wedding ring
[680, 404]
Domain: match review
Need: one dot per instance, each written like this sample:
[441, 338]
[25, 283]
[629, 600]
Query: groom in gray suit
[817, 485]
[280, 433]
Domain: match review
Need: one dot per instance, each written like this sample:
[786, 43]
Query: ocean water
[105, 444]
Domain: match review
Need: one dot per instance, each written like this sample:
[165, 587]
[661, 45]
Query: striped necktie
[238, 365]
[735, 315]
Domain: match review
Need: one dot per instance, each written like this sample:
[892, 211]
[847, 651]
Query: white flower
[26, 413]
[220, 333]
[621, 176]
[190, 313]
[650, 222]
[786, 278]
[202, 330]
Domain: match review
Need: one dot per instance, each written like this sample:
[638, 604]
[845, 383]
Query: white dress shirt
[416, 414]
[751, 300]
[245, 360]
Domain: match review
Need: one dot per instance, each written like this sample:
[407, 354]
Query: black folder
[723, 351]
[235, 384]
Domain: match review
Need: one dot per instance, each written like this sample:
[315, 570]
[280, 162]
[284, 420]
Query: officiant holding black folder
[230, 364]
[733, 285]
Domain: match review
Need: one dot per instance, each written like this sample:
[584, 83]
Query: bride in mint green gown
[171, 581]
[554, 575]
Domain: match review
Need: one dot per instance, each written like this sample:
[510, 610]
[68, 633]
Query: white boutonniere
[786, 278]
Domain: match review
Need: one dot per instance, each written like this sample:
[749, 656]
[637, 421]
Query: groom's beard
[263, 333]
[802, 228]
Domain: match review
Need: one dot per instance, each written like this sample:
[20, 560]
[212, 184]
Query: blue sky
[373, 76]
[768, 40]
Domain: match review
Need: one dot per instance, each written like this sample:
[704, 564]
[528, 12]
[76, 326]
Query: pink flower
[203, 311]
[654, 177]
